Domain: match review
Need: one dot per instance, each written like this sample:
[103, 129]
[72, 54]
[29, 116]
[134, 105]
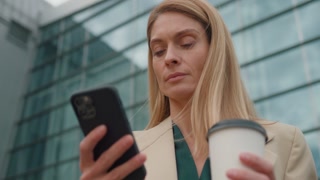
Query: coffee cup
[227, 139]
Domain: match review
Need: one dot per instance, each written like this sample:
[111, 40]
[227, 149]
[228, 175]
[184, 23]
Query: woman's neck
[180, 115]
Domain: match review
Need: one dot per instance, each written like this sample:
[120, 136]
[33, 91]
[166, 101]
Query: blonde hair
[220, 93]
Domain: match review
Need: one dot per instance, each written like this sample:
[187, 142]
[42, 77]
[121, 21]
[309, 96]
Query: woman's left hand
[260, 169]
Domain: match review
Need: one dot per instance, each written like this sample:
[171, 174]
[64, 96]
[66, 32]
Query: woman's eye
[158, 53]
[187, 45]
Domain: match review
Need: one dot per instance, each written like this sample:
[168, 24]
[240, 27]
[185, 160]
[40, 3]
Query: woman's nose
[172, 56]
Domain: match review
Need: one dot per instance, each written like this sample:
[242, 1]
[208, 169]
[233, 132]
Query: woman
[194, 82]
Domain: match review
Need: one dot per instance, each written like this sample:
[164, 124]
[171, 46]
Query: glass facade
[277, 44]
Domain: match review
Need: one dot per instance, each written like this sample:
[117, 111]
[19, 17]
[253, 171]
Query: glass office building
[277, 44]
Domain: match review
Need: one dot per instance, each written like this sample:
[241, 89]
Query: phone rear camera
[83, 100]
[85, 107]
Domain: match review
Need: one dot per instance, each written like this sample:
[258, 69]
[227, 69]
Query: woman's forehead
[174, 22]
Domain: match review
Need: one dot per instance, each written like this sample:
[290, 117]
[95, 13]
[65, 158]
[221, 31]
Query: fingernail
[142, 157]
[245, 156]
[128, 140]
[231, 173]
[101, 128]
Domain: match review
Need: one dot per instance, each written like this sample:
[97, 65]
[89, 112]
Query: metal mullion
[43, 139]
[45, 111]
[311, 130]
[126, 77]
[273, 16]
[42, 168]
[258, 100]
[61, 79]
[221, 5]
[280, 52]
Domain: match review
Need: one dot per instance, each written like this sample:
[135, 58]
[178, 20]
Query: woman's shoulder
[289, 147]
[277, 126]
[281, 133]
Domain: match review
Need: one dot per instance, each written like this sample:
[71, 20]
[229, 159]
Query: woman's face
[179, 48]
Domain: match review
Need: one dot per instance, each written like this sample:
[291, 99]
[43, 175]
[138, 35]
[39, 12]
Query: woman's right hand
[99, 169]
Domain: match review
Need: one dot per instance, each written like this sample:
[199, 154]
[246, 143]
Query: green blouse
[186, 167]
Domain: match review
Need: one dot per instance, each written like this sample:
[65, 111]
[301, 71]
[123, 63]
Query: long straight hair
[220, 93]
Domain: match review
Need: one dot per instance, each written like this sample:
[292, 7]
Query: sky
[56, 2]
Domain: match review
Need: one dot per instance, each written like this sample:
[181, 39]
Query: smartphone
[103, 106]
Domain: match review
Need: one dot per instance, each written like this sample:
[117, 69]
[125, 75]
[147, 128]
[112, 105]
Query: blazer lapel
[158, 144]
[268, 154]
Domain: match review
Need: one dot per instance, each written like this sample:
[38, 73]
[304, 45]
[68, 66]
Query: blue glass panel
[42, 77]
[243, 13]
[98, 50]
[141, 87]
[138, 55]
[38, 102]
[55, 122]
[51, 154]
[266, 38]
[312, 61]
[108, 72]
[46, 52]
[69, 119]
[50, 30]
[49, 173]
[275, 74]
[123, 11]
[125, 90]
[73, 38]
[68, 170]
[127, 35]
[70, 63]
[35, 158]
[22, 134]
[299, 108]
[79, 17]
[98, 25]
[217, 2]
[69, 144]
[66, 88]
[308, 19]
[140, 117]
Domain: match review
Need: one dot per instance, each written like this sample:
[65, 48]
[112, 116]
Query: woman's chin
[180, 94]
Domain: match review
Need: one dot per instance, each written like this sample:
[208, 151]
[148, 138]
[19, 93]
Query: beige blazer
[286, 149]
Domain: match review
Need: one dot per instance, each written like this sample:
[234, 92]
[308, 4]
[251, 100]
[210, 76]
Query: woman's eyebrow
[178, 34]
[186, 31]
[155, 40]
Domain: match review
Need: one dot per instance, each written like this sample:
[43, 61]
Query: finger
[87, 145]
[125, 169]
[107, 159]
[257, 163]
[244, 174]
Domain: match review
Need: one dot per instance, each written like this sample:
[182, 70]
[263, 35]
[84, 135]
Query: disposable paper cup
[227, 139]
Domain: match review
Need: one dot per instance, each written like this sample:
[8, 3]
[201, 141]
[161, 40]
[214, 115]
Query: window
[19, 32]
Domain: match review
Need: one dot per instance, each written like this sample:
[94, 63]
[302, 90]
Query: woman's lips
[175, 76]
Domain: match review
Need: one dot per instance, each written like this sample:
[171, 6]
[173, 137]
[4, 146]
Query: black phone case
[103, 106]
